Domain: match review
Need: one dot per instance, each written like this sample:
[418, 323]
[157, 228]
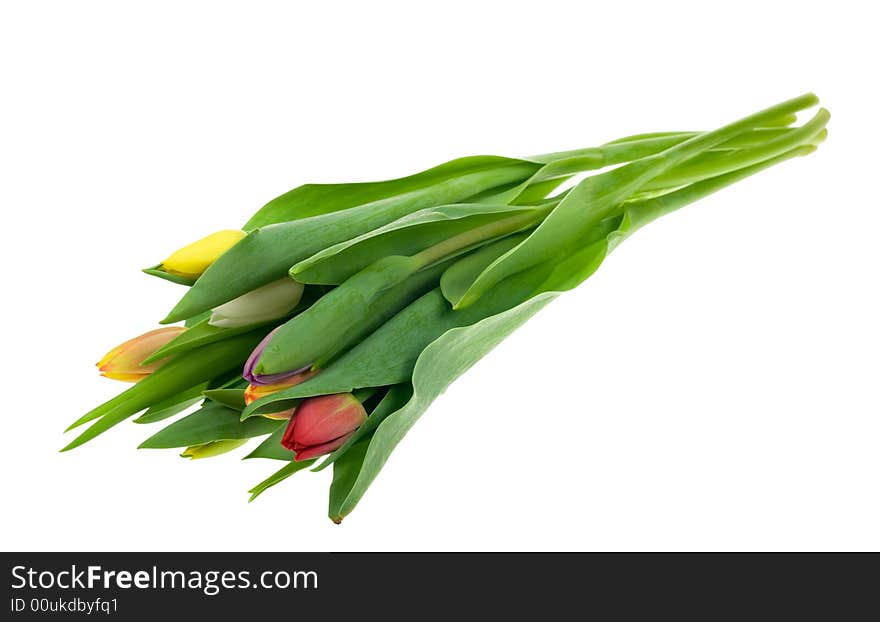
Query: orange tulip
[124, 361]
[255, 391]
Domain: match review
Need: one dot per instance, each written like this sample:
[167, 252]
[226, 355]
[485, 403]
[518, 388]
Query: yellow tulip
[124, 361]
[193, 259]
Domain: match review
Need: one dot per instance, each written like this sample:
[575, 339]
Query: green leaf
[174, 278]
[272, 448]
[595, 197]
[345, 474]
[405, 236]
[319, 199]
[713, 164]
[231, 398]
[179, 374]
[267, 253]
[458, 277]
[212, 422]
[173, 405]
[279, 476]
[449, 356]
[347, 314]
[441, 362]
[199, 334]
[196, 319]
[387, 356]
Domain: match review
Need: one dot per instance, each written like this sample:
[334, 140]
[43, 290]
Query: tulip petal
[253, 391]
[326, 417]
[193, 259]
[319, 450]
[267, 379]
[124, 361]
[269, 302]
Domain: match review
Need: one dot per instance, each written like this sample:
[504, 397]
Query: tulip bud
[265, 303]
[266, 379]
[322, 424]
[214, 448]
[193, 259]
[253, 392]
[124, 361]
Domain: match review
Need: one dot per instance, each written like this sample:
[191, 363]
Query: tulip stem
[464, 241]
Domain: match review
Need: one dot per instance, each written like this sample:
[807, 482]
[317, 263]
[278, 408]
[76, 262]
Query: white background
[713, 386]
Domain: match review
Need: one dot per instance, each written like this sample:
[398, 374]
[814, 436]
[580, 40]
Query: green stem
[714, 164]
[468, 239]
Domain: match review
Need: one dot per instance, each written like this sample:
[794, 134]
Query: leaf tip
[71, 445]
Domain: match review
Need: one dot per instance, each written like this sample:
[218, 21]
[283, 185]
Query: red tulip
[322, 424]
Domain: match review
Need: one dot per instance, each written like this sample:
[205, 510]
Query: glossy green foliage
[388, 355]
[279, 476]
[408, 236]
[267, 253]
[431, 187]
[411, 281]
[347, 314]
[162, 274]
[456, 350]
[596, 197]
[212, 422]
[179, 374]
[271, 447]
[163, 409]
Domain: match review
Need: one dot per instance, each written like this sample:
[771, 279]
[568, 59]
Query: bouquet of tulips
[328, 324]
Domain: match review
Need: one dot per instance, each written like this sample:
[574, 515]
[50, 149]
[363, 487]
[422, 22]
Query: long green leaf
[346, 315]
[179, 374]
[458, 277]
[196, 336]
[593, 198]
[267, 253]
[173, 405]
[405, 236]
[279, 476]
[319, 199]
[212, 422]
[231, 397]
[272, 448]
[345, 475]
[388, 355]
[446, 358]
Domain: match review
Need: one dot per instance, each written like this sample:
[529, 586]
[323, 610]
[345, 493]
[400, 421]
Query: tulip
[214, 448]
[263, 304]
[322, 424]
[193, 259]
[124, 361]
[266, 379]
[253, 392]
